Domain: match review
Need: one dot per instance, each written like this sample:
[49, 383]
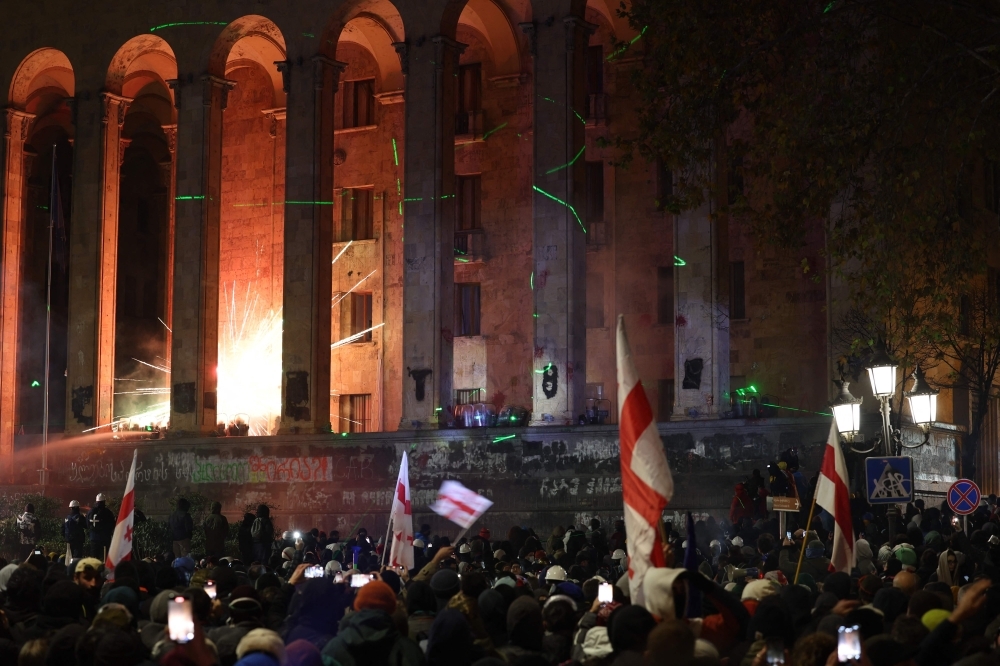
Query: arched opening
[38, 97]
[251, 228]
[366, 290]
[144, 266]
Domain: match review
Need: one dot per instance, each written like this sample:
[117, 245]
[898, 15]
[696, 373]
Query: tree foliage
[867, 115]
[875, 121]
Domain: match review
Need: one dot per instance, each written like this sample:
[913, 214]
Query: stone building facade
[352, 214]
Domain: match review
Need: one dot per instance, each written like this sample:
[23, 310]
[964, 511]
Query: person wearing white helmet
[102, 527]
[75, 529]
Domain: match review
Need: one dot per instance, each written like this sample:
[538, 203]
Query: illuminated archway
[143, 250]
[251, 227]
[368, 146]
[39, 130]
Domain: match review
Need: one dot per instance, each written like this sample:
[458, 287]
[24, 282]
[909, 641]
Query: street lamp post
[882, 375]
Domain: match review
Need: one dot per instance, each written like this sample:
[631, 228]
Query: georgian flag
[647, 484]
[401, 554]
[121, 542]
[459, 504]
[833, 495]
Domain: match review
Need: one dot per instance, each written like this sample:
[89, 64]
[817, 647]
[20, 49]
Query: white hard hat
[555, 572]
[618, 554]
[101, 497]
[286, 536]
[738, 542]
[418, 543]
[464, 548]
[73, 503]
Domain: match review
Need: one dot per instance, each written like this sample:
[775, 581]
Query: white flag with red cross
[401, 554]
[459, 504]
[121, 542]
[647, 484]
[833, 495]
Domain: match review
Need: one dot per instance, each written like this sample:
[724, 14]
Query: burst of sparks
[249, 370]
[346, 293]
[352, 338]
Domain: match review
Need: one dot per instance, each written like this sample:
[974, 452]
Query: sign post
[889, 480]
[963, 498]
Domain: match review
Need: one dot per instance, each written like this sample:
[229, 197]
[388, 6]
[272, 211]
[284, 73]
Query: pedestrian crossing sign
[890, 480]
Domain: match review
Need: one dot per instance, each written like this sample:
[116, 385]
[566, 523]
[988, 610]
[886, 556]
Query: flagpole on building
[44, 471]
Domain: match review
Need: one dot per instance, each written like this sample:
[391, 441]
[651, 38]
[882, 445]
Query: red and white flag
[459, 504]
[832, 494]
[647, 484]
[121, 541]
[401, 554]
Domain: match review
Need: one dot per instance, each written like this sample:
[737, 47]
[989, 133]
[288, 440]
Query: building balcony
[470, 246]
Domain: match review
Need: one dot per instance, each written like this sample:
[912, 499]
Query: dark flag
[57, 219]
[693, 606]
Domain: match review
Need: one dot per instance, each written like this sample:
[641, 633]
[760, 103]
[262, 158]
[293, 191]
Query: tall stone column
[701, 322]
[559, 279]
[195, 352]
[308, 243]
[85, 256]
[113, 148]
[16, 128]
[169, 176]
[429, 229]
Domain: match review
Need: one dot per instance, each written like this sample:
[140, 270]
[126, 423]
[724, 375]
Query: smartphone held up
[180, 620]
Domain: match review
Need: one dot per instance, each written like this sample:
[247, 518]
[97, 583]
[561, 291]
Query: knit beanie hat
[376, 595]
[262, 640]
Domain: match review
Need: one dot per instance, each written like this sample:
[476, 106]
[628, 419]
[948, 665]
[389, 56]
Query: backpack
[72, 529]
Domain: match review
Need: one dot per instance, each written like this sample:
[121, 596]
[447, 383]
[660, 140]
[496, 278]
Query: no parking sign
[963, 497]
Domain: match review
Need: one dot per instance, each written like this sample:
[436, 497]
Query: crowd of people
[728, 593]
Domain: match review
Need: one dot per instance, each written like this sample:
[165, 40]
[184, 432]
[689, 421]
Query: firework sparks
[351, 338]
[249, 370]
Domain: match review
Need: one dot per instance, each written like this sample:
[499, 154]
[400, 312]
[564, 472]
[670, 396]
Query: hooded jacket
[723, 629]
[945, 576]
[863, 553]
[369, 637]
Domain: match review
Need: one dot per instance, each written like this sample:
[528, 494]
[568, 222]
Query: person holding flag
[121, 540]
[647, 484]
[401, 520]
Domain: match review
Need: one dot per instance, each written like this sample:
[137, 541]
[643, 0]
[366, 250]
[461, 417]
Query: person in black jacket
[246, 538]
[75, 529]
[181, 528]
[262, 532]
[102, 527]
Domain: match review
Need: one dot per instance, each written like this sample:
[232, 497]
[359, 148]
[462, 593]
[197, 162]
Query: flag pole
[44, 472]
[388, 530]
[802, 551]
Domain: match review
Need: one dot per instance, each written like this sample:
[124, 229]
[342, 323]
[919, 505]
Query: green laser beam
[558, 200]
[35, 384]
[395, 154]
[568, 164]
[618, 52]
[543, 370]
[308, 34]
[767, 404]
[504, 438]
[679, 262]
[495, 129]
[185, 23]
[400, 207]
[581, 118]
[399, 189]
[190, 197]
[464, 261]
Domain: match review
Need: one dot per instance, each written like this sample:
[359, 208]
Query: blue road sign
[963, 497]
[890, 480]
